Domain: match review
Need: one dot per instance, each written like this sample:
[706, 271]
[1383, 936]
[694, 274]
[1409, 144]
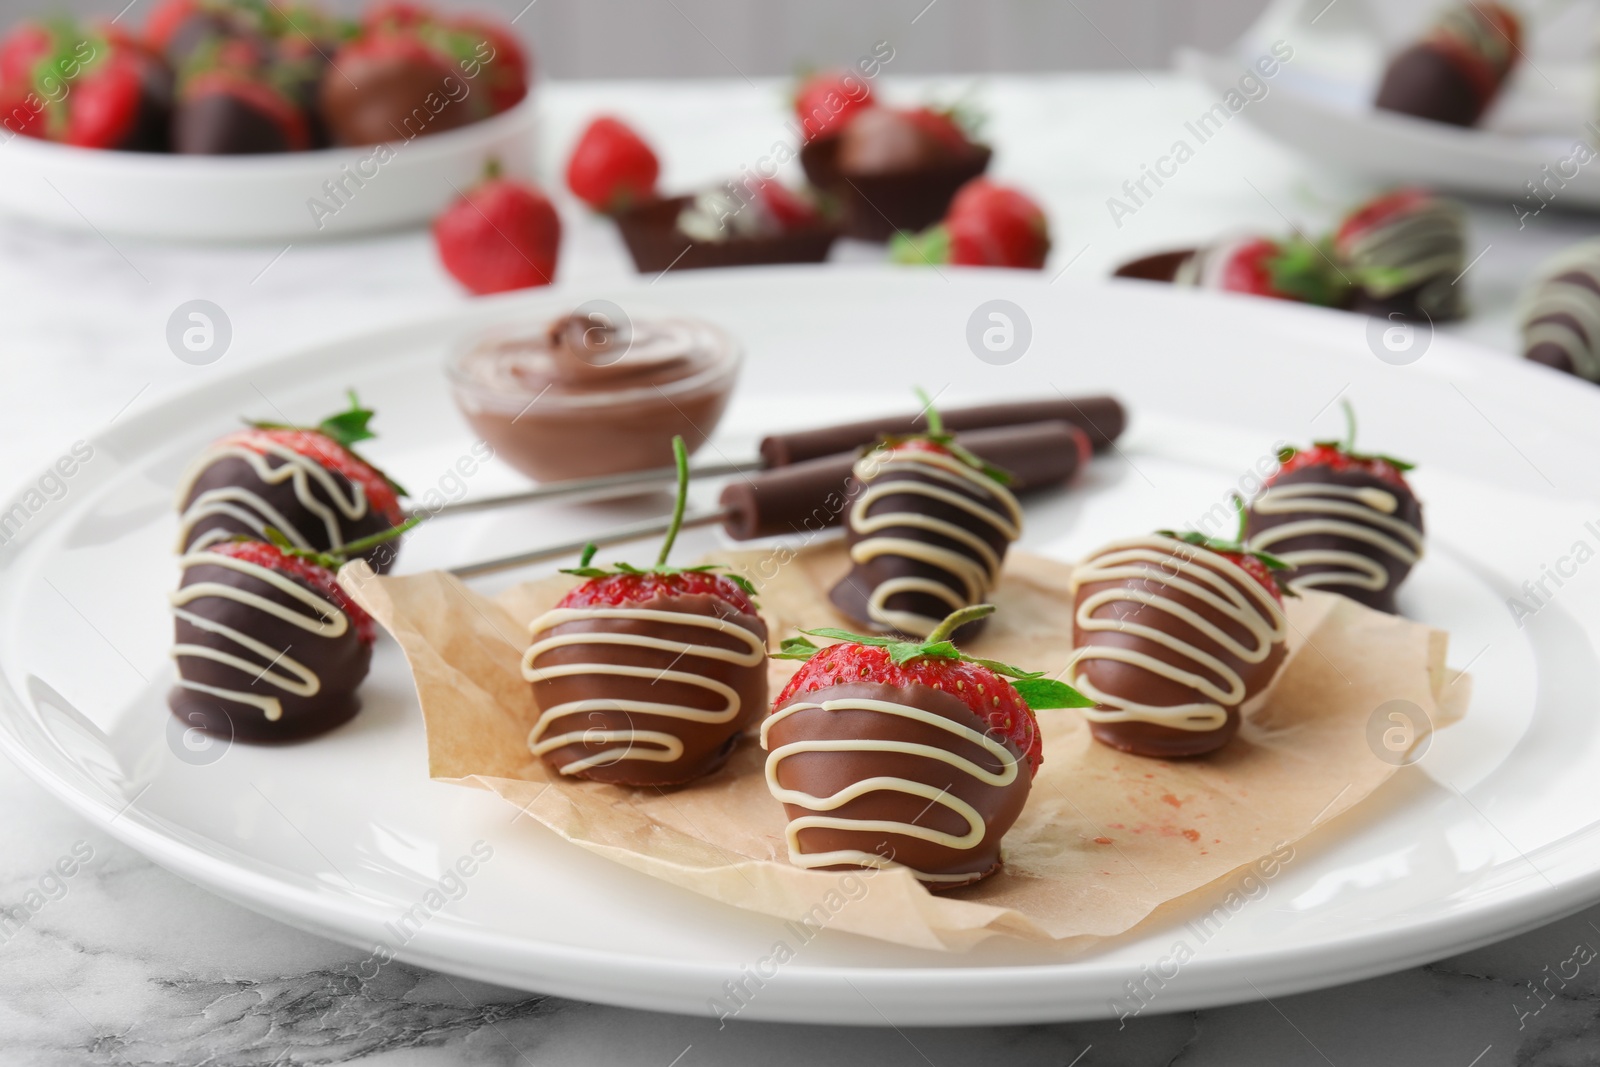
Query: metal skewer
[590, 488]
[636, 532]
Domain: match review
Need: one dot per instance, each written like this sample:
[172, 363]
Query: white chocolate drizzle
[347, 501]
[1360, 513]
[1146, 571]
[274, 665]
[651, 745]
[965, 488]
[977, 828]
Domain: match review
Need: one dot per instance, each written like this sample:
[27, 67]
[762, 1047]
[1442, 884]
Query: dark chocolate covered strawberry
[1174, 633]
[269, 646]
[888, 753]
[1341, 520]
[928, 527]
[1403, 253]
[229, 103]
[305, 481]
[1455, 72]
[647, 677]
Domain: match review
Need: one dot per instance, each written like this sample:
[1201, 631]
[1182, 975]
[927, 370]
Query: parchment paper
[1104, 841]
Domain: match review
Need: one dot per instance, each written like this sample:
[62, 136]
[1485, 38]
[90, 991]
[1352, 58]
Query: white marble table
[134, 966]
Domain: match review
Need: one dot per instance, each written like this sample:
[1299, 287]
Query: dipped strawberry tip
[936, 439]
[315, 570]
[1264, 567]
[1004, 697]
[1342, 455]
[345, 429]
[623, 582]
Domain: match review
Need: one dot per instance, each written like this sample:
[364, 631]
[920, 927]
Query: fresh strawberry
[21, 110]
[1342, 456]
[501, 235]
[611, 167]
[329, 443]
[307, 570]
[825, 101]
[1004, 698]
[628, 584]
[104, 105]
[987, 225]
[395, 14]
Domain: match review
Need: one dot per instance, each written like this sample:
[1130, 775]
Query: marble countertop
[127, 964]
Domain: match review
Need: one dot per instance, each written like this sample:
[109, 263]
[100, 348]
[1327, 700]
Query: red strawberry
[987, 225]
[501, 235]
[506, 70]
[990, 696]
[21, 110]
[1296, 269]
[624, 588]
[611, 166]
[21, 50]
[309, 573]
[825, 101]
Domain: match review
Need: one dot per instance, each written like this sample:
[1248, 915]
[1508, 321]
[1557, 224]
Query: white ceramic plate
[260, 198]
[1320, 102]
[1494, 831]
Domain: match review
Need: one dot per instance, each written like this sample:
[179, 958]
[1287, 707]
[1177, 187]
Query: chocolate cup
[819, 158]
[1159, 267]
[341, 663]
[1427, 84]
[874, 207]
[822, 774]
[650, 230]
[706, 746]
[1134, 684]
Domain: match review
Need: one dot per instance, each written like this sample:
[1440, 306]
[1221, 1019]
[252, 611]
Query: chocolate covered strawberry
[1403, 252]
[230, 103]
[500, 235]
[1174, 634]
[1455, 72]
[305, 481]
[268, 645]
[400, 81]
[647, 677]
[90, 86]
[1342, 520]
[888, 753]
[988, 225]
[1296, 269]
[882, 140]
[612, 167]
[825, 101]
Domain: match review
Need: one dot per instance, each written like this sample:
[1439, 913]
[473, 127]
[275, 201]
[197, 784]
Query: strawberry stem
[680, 455]
[930, 413]
[956, 620]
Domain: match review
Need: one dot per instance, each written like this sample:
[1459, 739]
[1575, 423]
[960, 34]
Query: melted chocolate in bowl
[579, 398]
